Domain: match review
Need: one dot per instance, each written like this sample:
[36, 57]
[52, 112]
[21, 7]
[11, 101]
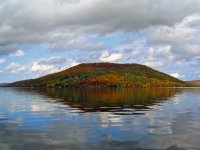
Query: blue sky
[38, 37]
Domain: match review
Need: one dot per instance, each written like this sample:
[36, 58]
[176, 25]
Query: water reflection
[115, 100]
[160, 118]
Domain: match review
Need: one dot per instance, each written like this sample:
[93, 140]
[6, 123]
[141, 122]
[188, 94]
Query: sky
[38, 37]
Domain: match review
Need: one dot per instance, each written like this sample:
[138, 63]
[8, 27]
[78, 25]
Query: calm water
[99, 119]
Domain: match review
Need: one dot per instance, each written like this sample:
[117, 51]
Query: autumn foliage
[104, 75]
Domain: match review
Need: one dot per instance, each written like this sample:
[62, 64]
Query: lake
[100, 119]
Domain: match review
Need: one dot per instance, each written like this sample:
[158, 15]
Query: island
[104, 75]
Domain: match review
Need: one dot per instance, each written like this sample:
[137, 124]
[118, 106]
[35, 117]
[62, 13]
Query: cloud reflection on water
[100, 118]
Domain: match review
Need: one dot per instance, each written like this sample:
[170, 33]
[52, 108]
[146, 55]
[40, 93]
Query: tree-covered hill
[106, 75]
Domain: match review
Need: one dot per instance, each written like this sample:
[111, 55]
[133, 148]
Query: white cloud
[65, 40]
[177, 75]
[123, 28]
[2, 60]
[170, 35]
[161, 51]
[182, 37]
[106, 57]
[158, 56]
[41, 66]
[18, 53]
[45, 66]
[180, 32]
[33, 23]
[38, 67]
[15, 68]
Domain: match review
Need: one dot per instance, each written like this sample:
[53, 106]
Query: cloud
[45, 66]
[38, 67]
[106, 57]
[15, 68]
[158, 56]
[41, 66]
[161, 51]
[182, 37]
[176, 75]
[164, 36]
[34, 23]
[2, 60]
[18, 53]
[170, 35]
[63, 40]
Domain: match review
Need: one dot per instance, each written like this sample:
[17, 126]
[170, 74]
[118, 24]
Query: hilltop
[106, 75]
